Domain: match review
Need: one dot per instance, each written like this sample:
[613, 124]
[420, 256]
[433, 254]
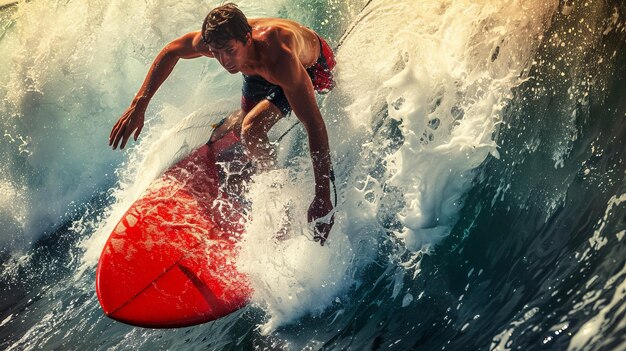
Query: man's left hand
[321, 207]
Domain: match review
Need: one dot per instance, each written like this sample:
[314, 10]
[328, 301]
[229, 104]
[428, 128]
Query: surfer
[283, 64]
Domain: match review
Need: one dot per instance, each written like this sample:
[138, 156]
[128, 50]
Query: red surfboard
[171, 261]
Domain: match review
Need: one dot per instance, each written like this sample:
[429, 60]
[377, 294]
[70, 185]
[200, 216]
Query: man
[283, 63]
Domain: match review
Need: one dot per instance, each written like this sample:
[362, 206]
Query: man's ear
[248, 38]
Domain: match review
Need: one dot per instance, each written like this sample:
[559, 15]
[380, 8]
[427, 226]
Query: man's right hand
[320, 208]
[131, 121]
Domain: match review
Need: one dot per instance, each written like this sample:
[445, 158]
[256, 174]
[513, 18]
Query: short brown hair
[224, 23]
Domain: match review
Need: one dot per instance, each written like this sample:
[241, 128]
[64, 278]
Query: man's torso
[272, 38]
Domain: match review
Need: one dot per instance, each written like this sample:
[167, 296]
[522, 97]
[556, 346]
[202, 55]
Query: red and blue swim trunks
[255, 88]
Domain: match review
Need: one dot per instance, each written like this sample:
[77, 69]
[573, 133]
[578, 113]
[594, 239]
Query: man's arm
[291, 76]
[186, 47]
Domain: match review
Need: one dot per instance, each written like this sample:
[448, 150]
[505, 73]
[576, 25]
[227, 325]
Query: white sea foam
[291, 274]
[446, 70]
[65, 86]
[69, 70]
[427, 64]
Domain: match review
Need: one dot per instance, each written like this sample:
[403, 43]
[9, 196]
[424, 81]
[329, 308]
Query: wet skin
[277, 50]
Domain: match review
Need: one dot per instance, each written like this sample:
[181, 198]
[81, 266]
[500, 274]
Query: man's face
[231, 56]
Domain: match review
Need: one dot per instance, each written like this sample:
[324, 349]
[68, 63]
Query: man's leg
[254, 128]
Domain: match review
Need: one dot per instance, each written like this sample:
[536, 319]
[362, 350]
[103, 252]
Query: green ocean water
[527, 254]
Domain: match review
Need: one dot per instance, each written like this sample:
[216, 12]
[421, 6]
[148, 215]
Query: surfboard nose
[178, 298]
[188, 290]
[171, 260]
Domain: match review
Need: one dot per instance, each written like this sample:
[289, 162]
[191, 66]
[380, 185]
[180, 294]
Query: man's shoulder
[274, 36]
[197, 42]
[276, 43]
[189, 44]
[278, 40]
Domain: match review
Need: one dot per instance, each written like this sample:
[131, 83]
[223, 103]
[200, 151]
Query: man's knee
[257, 123]
[251, 131]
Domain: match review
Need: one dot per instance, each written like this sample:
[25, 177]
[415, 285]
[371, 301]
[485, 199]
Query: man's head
[223, 24]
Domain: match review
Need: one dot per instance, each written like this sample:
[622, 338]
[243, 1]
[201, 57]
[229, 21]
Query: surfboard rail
[171, 260]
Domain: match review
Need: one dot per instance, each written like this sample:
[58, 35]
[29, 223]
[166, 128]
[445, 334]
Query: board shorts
[256, 89]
